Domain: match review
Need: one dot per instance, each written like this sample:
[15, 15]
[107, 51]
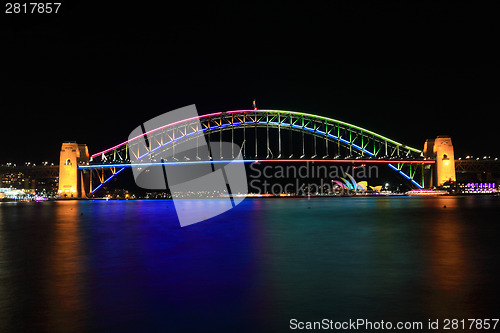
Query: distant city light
[483, 188]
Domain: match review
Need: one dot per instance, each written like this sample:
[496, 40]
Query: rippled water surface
[127, 266]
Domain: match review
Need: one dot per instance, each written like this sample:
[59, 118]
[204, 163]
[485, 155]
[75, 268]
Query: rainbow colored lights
[129, 165]
[107, 180]
[405, 175]
[258, 113]
[294, 113]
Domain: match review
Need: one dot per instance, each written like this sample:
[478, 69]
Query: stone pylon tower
[71, 183]
[441, 149]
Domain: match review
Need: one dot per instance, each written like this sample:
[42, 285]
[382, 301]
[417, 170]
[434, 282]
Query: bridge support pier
[440, 149]
[71, 179]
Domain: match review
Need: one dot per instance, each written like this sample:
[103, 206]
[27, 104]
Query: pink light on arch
[156, 129]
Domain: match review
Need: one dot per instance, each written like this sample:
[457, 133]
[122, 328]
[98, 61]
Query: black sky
[92, 74]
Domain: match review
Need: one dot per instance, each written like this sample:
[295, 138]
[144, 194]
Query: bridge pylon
[71, 179]
[440, 149]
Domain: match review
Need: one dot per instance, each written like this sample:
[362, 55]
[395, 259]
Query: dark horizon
[409, 72]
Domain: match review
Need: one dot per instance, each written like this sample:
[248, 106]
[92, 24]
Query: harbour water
[127, 266]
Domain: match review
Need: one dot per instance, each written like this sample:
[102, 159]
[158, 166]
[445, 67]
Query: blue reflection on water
[128, 266]
[164, 276]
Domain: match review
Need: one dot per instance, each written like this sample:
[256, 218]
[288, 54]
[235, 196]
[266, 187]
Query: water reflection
[448, 256]
[450, 267]
[339, 257]
[65, 279]
[128, 266]
[5, 303]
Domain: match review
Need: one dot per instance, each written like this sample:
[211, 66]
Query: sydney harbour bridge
[271, 136]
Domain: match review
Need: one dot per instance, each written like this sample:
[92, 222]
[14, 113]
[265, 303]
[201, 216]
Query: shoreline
[258, 197]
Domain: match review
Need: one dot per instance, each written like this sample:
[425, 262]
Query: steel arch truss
[359, 141]
[255, 126]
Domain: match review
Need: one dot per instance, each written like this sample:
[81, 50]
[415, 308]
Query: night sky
[91, 74]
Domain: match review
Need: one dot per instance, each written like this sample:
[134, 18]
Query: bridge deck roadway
[357, 161]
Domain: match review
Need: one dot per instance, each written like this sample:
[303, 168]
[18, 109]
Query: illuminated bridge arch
[359, 141]
[263, 135]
